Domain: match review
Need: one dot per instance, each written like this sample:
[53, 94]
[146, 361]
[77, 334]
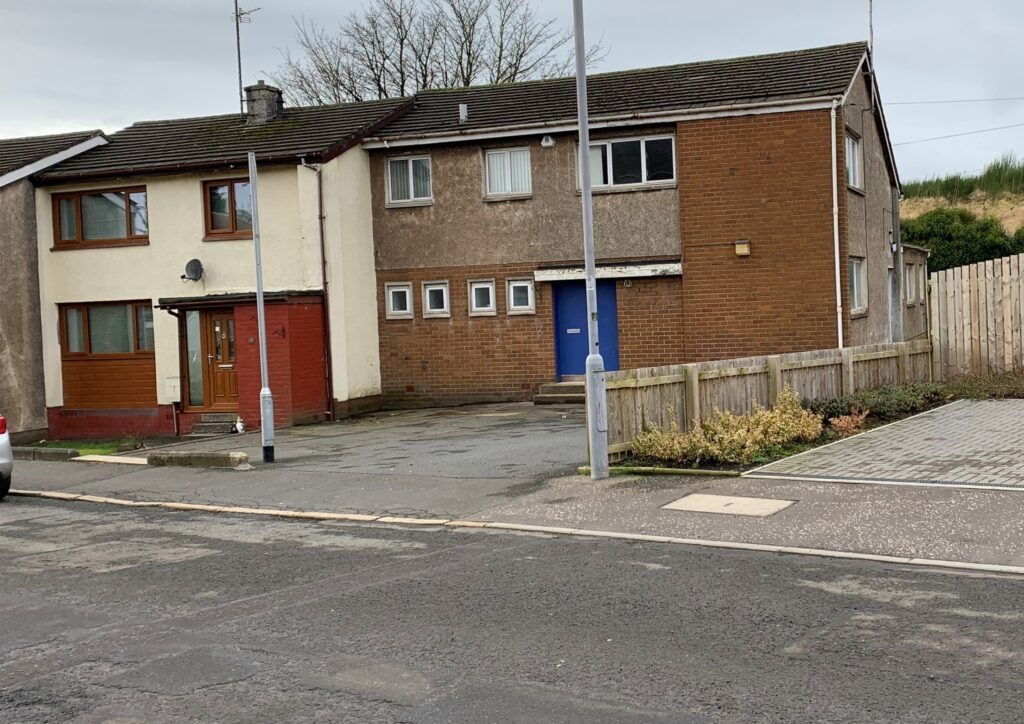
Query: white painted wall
[352, 289]
[291, 260]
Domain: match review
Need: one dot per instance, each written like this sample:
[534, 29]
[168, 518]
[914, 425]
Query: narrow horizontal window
[435, 299]
[633, 162]
[481, 298]
[399, 300]
[508, 172]
[520, 296]
[409, 180]
[96, 218]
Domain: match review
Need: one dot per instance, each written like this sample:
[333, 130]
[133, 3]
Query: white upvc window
[627, 162]
[520, 296]
[508, 172]
[399, 300]
[854, 161]
[922, 286]
[858, 286]
[435, 299]
[481, 298]
[910, 278]
[409, 180]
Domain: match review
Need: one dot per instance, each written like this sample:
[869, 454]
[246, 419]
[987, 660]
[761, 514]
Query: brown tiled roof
[17, 153]
[215, 141]
[818, 72]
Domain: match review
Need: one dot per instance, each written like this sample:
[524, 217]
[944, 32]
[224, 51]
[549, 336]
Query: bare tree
[399, 47]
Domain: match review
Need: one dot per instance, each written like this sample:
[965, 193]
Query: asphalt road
[111, 614]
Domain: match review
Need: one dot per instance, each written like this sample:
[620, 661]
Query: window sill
[858, 313]
[228, 237]
[856, 190]
[498, 198]
[100, 245]
[408, 204]
[521, 312]
[632, 188]
[492, 313]
[437, 315]
[397, 317]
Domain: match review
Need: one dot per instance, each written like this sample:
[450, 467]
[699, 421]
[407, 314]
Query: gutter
[626, 119]
[835, 224]
[318, 170]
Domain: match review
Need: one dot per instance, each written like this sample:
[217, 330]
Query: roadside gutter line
[525, 528]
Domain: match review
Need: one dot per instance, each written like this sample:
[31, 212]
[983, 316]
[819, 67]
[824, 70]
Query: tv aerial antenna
[241, 16]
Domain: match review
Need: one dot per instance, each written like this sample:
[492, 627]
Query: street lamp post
[266, 399]
[597, 409]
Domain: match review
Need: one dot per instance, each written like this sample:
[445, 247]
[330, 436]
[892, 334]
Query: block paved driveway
[966, 443]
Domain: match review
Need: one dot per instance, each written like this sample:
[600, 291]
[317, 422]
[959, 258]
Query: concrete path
[966, 443]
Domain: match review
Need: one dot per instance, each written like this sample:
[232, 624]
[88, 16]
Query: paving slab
[977, 443]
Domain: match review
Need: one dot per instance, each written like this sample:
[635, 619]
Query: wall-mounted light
[743, 247]
[547, 142]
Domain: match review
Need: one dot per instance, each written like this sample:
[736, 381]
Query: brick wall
[766, 178]
[464, 359]
[67, 424]
[650, 322]
[295, 360]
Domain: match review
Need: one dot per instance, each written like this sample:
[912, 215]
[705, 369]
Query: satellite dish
[193, 270]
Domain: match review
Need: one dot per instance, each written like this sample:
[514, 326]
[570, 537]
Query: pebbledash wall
[463, 236]
[292, 262]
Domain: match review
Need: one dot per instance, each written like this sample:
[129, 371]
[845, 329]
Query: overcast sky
[73, 64]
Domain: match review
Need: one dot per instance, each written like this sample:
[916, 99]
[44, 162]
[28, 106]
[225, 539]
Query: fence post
[903, 362]
[774, 378]
[847, 356]
[692, 413]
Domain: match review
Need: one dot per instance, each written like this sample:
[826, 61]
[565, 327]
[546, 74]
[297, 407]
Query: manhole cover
[729, 505]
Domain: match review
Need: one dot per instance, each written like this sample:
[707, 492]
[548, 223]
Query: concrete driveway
[448, 462]
[970, 443]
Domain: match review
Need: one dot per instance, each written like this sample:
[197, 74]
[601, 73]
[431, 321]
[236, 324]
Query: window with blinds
[508, 172]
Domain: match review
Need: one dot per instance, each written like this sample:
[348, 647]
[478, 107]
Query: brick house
[22, 397]
[742, 207]
[136, 339]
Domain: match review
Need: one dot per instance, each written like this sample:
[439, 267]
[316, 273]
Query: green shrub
[997, 386]
[955, 237]
[726, 438]
[884, 403]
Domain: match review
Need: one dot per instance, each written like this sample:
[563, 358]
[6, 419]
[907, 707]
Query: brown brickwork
[766, 178]
[463, 359]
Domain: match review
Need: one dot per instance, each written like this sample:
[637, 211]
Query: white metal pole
[266, 399]
[597, 411]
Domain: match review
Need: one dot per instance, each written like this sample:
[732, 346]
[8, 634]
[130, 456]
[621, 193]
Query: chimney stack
[263, 103]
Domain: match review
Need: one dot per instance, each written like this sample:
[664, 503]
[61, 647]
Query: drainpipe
[835, 225]
[318, 169]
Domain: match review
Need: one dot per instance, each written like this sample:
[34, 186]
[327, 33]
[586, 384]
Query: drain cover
[729, 505]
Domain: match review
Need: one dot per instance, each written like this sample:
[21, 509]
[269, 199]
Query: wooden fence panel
[977, 312]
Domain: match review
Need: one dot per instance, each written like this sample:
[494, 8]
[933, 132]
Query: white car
[6, 459]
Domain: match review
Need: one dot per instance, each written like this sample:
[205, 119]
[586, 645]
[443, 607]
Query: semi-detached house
[742, 207]
[428, 250]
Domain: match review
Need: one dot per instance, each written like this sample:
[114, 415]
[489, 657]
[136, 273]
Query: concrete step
[562, 388]
[211, 428]
[228, 417]
[560, 399]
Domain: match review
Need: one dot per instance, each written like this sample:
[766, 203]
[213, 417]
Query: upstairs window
[409, 180]
[399, 296]
[107, 329]
[101, 218]
[228, 208]
[633, 162]
[508, 172]
[854, 161]
[481, 298]
[435, 299]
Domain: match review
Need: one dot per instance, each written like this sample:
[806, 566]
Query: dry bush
[847, 425]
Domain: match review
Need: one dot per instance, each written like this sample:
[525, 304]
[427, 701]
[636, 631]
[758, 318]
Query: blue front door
[571, 344]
